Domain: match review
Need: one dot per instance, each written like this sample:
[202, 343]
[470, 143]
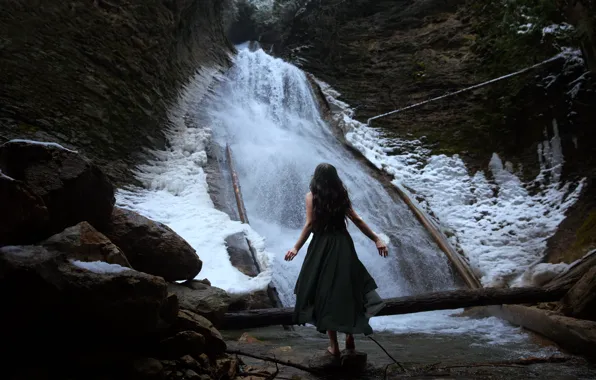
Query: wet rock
[183, 343]
[147, 368]
[580, 301]
[52, 301]
[353, 361]
[208, 301]
[226, 368]
[254, 300]
[324, 362]
[23, 214]
[189, 321]
[240, 255]
[73, 189]
[83, 242]
[152, 247]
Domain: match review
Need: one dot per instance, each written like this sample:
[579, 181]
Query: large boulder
[580, 301]
[83, 242]
[23, 214]
[189, 321]
[153, 247]
[51, 301]
[205, 300]
[72, 188]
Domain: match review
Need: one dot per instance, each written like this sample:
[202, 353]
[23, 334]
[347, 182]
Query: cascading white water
[266, 111]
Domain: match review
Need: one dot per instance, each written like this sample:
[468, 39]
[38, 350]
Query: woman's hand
[291, 254]
[382, 248]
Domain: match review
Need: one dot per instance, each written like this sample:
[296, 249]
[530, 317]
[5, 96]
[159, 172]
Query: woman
[334, 291]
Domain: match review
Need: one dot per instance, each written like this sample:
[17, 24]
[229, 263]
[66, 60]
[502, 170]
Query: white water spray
[267, 113]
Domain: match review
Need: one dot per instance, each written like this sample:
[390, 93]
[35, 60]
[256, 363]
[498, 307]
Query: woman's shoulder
[309, 195]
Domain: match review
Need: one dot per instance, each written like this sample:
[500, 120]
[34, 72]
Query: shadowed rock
[72, 188]
[153, 247]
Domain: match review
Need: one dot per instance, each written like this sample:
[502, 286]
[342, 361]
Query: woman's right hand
[382, 248]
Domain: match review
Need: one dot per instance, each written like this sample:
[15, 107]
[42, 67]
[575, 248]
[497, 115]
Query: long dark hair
[331, 201]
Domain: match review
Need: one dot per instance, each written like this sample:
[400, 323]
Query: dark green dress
[334, 290]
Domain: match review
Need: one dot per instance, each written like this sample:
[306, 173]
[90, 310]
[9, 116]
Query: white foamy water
[176, 193]
[267, 113]
[265, 110]
[500, 222]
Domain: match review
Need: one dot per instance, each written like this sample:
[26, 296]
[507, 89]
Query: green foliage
[511, 33]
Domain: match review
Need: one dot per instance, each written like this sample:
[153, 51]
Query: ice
[175, 193]
[52, 144]
[501, 226]
[99, 267]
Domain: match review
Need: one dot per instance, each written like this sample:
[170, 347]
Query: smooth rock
[183, 343]
[23, 214]
[240, 255]
[189, 321]
[72, 188]
[208, 301]
[83, 242]
[152, 247]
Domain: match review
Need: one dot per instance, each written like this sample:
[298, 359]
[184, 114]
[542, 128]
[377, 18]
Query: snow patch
[501, 223]
[99, 267]
[542, 273]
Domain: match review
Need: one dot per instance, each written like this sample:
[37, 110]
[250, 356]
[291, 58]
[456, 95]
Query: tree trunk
[569, 278]
[454, 299]
[580, 301]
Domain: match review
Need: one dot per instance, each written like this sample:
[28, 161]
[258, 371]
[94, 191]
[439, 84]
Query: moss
[27, 128]
[586, 234]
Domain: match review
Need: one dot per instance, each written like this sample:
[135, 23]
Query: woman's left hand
[291, 254]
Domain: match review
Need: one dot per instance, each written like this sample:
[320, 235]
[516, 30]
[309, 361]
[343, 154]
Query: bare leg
[350, 344]
[333, 344]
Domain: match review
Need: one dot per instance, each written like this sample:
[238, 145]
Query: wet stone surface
[424, 356]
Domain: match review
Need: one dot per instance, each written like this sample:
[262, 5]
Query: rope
[556, 57]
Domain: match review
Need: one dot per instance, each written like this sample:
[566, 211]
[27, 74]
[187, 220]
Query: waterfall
[266, 111]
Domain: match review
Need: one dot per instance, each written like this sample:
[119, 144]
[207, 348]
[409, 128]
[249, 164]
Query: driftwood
[275, 360]
[271, 290]
[448, 300]
[460, 265]
[577, 271]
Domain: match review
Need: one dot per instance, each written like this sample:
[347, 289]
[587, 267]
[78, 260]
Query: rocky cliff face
[101, 75]
[384, 55]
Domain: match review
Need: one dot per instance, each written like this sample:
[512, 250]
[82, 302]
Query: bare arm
[362, 226]
[306, 230]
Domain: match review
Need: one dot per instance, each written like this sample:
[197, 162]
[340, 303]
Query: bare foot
[350, 344]
[333, 351]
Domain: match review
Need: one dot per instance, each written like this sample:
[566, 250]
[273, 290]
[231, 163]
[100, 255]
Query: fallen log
[448, 300]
